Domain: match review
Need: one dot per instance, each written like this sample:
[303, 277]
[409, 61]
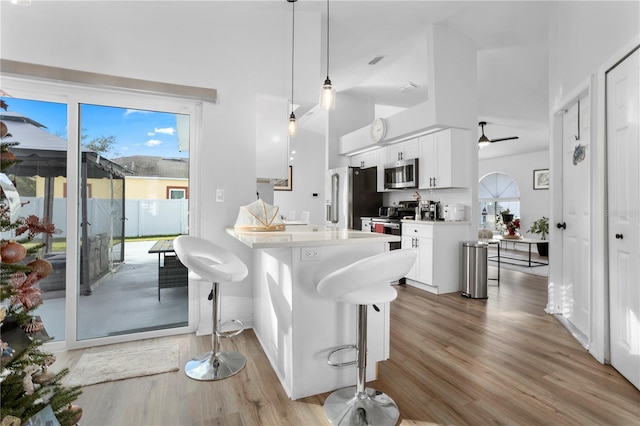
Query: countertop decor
[259, 217]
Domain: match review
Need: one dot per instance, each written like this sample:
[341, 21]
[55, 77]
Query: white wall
[533, 203]
[308, 178]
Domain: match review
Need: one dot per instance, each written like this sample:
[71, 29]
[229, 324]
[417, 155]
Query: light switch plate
[220, 195]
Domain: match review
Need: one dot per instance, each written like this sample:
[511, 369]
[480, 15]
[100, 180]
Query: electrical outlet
[310, 253]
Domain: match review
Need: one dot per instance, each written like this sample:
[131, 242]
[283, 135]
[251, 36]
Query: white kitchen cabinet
[445, 159]
[437, 268]
[366, 159]
[403, 150]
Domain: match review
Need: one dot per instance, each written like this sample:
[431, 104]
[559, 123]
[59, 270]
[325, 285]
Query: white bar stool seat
[209, 262]
[365, 282]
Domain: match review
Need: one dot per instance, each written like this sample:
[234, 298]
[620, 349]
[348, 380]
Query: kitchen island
[294, 324]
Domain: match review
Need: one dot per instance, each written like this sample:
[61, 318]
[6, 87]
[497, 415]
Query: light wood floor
[454, 361]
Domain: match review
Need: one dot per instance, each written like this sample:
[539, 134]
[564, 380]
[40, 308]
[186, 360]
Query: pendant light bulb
[293, 125]
[328, 95]
[327, 91]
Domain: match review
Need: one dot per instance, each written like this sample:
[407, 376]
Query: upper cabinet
[444, 160]
[402, 151]
[366, 159]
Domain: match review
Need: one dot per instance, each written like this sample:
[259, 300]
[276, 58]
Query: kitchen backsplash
[444, 196]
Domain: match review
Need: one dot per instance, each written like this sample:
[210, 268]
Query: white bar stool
[209, 262]
[365, 282]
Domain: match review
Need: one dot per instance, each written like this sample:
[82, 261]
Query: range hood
[452, 99]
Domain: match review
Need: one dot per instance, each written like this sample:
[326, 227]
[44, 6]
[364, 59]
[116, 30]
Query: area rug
[122, 364]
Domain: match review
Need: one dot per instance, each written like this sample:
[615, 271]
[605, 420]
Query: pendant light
[293, 125]
[328, 92]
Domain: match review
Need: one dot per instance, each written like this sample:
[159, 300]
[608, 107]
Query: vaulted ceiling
[511, 38]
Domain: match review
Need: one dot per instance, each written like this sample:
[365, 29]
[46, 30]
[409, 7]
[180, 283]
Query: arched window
[496, 193]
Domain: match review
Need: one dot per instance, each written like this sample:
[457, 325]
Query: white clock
[378, 129]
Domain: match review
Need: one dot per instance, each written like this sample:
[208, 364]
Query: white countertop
[309, 235]
[437, 222]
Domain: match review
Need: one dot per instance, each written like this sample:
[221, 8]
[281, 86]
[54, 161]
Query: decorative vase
[506, 218]
[543, 249]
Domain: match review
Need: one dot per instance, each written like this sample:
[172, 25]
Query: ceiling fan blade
[505, 139]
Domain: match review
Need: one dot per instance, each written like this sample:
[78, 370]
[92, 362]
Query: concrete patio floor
[124, 301]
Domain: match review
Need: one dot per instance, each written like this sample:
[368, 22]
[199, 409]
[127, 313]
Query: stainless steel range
[389, 220]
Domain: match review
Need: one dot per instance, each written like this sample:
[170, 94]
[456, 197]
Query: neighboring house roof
[149, 166]
[44, 153]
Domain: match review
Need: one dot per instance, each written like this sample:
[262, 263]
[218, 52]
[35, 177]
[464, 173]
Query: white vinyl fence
[142, 217]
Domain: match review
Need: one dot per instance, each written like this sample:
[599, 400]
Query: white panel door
[623, 145]
[576, 172]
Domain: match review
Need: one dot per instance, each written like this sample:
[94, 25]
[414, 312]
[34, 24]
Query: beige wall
[146, 188]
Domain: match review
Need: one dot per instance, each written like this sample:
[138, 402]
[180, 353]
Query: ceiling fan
[484, 141]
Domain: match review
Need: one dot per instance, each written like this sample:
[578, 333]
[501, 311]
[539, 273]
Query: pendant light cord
[327, 38]
[293, 46]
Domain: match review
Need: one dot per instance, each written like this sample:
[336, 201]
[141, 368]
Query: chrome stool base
[346, 407]
[208, 366]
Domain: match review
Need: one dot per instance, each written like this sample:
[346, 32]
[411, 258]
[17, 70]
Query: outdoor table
[171, 272]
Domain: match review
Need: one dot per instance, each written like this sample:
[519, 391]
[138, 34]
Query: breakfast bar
[296, 326]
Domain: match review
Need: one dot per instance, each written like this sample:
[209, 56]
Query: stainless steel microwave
[401, 174]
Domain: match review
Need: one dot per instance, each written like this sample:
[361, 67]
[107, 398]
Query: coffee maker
[433, 211]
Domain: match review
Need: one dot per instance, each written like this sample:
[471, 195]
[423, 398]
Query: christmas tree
[27, 388]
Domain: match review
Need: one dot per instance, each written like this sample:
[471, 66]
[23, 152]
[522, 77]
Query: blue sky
[136, 132]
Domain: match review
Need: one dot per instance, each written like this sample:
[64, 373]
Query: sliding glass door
[131, 166]
[39, 130]
[112, 172]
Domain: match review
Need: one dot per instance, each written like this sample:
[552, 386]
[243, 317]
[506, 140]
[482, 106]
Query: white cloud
[152, 142]
[134, 111]
[165, 130]
[150, 133]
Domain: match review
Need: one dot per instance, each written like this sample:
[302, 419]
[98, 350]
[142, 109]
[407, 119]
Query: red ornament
[41, 267]
[78, 413]
[7, 156]
[12, 252]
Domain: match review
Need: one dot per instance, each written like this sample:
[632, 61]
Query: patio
[122, 302]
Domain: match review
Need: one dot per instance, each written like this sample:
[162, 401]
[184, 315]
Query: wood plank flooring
[454, 361]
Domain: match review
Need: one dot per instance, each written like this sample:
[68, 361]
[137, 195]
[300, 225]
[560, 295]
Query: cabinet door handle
[434, 182]
[619, 236]
[561, 225]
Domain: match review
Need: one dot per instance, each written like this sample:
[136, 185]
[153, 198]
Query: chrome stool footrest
[341, 364]
[232, 333]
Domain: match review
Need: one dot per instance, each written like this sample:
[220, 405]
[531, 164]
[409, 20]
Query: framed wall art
[284, 184]
[541, 179]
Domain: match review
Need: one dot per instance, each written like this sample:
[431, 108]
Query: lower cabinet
[437, 268]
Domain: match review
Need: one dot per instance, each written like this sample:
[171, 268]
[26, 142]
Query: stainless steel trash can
[474, 269]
